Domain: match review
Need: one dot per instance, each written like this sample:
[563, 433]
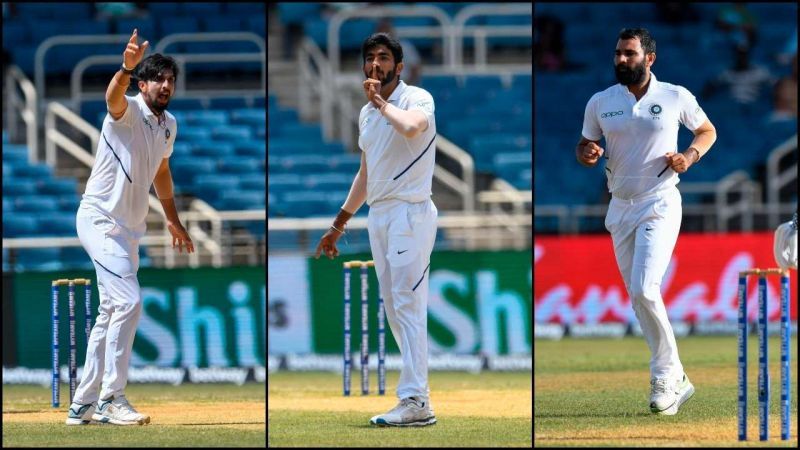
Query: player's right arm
[588, 152]
[358, 191]
[356, 198]
[115, 94]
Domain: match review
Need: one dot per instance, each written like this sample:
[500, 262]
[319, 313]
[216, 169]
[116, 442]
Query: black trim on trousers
[104, 267]
[423, 277]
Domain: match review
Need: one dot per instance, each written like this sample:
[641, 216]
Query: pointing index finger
[134, 36]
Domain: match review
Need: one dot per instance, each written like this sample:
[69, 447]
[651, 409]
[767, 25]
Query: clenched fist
[680, 162]
[591, 153]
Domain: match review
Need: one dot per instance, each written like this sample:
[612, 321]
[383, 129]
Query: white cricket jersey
[128, 155]
[398, 167]
[639, 134]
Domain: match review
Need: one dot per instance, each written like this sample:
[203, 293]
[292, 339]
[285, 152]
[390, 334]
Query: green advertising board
[190, 317]
[478, 302]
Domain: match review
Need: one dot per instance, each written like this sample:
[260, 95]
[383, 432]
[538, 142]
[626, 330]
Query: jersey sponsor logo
[611, 114]
[425, 107]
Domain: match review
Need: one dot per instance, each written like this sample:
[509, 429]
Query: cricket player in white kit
[397, 136]
[136, 142]
[640, 118]
[785, 244]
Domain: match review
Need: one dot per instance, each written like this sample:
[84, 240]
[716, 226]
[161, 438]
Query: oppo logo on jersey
[610, 114]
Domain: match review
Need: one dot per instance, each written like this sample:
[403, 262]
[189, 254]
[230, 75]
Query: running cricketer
[640, 118]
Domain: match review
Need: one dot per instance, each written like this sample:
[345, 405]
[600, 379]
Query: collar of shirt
[652, 87]
[398, 91]
[159, 120]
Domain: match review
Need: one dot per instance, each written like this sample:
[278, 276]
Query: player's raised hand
[134, 52]
[372, 85]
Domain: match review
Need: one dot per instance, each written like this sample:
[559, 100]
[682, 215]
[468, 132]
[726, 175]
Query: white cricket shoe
[118, 412]
[667, 396]
[80, 414]
[121, 402]
[410, 412]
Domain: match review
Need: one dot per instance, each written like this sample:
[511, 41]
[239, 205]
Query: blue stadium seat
[509, 166]
[284, 182]
[484, 147]
[39, 259]
[348, 163]
[181, 150]
[297, 13]
[14, 187]
[251, 148]
[249, 116]
[303, 164]
[36, 203]
[329, 181]
[194, 134]
[209, 186]
[240, 165]
[240, 200]
[305, 204]
[57, 186]
[184, 171]
[206, 117]
[69, 203]
[253, 181]
[280, 116]
[232, 133]
[19, 225]
[58, 224]
[302, 130]
[15, 153]
[213, 149]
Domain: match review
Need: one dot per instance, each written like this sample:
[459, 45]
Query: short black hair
[647, 41]
[150, 67]
[382, 39]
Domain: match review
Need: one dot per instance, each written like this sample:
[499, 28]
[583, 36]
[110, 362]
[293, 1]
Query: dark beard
[157, 106]
[389, 78]
[630, 76]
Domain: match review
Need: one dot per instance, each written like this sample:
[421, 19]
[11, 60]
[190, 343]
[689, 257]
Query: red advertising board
[576, 279]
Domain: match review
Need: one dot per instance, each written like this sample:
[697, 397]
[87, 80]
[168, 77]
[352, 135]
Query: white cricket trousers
[401, 236]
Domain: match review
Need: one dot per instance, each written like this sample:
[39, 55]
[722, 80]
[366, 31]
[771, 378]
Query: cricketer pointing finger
[136, 141]
[640, 118]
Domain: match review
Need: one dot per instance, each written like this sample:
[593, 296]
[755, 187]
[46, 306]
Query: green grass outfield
[595, 393]
[472, 410]
[190, 415]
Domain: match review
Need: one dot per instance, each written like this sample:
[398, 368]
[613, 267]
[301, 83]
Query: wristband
[127, 71]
